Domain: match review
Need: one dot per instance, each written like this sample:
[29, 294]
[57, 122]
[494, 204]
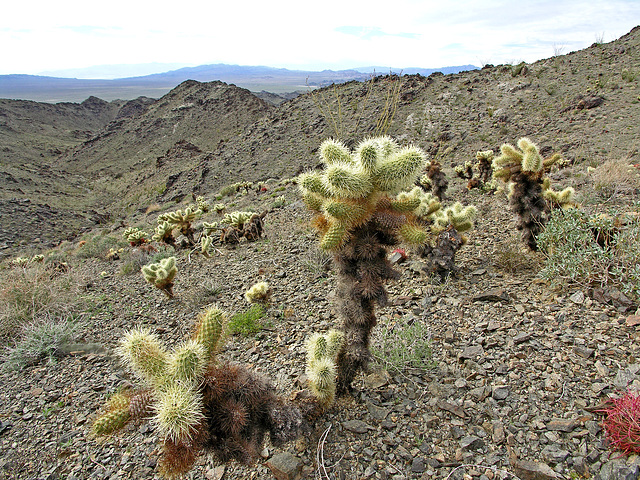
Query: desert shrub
[227, 190]
[247, 322]
[592, 250]
[614, 178]
[98, 246]
[38, 340]
[27, 294]
[403, 344]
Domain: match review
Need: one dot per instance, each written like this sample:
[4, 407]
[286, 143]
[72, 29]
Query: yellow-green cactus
[164, 232]
[161, 274]
[322, 352]
[202, 204]
[237, 219]
[259, 292]
[134, 235]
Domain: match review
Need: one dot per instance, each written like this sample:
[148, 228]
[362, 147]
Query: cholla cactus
[202, 204]
[322, 352]
[260, 292]
[161, 274]
[358, 215]
[483, 165]
[39, 258]
[446, 227]
[237, 219]
[164, 233]
[20, 262]
[524, 170]
[197, 404]
[464, 171]
[209, 229]
[182, 219]
[435, 180]
[135, 236]
[219, 208]
[205, 245]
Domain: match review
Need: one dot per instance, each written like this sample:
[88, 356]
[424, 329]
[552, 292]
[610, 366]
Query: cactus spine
[358, 215]
[322, 352]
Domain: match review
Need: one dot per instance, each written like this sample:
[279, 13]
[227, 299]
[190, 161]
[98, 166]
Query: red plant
[403, 254]
[622, 422]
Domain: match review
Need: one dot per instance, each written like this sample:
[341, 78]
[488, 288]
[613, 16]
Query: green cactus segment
[333, 152]
[313, 182]
[178, 412]
[413, 234]
[322, 381]
[161, 274]
[183, 217]
[111, 422]
[210, 330]
[344, 211]
[209, 229]
[461, 217]
[347, 181]
[336, 235]
[237, 219]
[322, 351]
[134, 235]
[405, 204]
[118, 401]
[486, 155]
[188, 362]
[563, 198]
[144, 353]
[399, 171]
[368, 154]
[313, 201]
[163, 232]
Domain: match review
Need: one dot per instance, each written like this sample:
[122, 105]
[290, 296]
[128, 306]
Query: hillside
[492, 373]
[255, 78]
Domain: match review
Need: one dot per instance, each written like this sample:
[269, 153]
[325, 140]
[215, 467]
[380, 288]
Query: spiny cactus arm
[564, 198]
[335, 152]
[399, 171]
[205, 244]
[461, 217]
[405, 203]
[259, 291]
[179, 411]
[209, 228]
[485, 155]
[335, 340]
[210, 330]
[335, 236]
[143, 352]
[551, 161]
[164, 233]
[188, 362]
[349, 212]
[111, 421]
[413, 234]
[368, 154]
[343, 180]
[322, 380]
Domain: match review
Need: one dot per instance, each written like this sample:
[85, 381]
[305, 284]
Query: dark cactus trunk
[362, 271]
[529, 204]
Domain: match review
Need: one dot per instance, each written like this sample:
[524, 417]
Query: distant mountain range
[254, 78]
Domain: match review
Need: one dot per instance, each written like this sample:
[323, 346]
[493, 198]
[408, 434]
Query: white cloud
[44, 35]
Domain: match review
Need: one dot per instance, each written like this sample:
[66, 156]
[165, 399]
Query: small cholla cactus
[435, 180]
[483, 165]
[182, 219]
[358, 215]
[219, 208]
[161, 274]
[242, 224]
[164, 233]
[20, 262]
[464, 171]
[258, 293]
[135, 236]
[524, 171]
[196, 403]
[202, 204]
[237, 219]
[205, 245]
[322, 352]
[208, 229]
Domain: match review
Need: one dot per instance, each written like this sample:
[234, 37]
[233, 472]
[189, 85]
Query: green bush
[592, 251]
[404, 344]
[247, 322]
[98, 246]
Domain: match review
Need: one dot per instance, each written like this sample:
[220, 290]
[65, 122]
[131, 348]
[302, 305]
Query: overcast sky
[42, 36]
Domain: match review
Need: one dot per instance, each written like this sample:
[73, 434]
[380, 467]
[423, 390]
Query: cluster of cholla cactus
[202, 204]
[482, 167]
[135, 236]
[358, 215]
[530, 193]
[161, 274]
[322, 352]
[249, 225]
[258, 293]
[197, 404]
[181, 220]
[434, 180]
[446, 229]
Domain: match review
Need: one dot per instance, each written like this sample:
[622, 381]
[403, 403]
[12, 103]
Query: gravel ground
[510, 387]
